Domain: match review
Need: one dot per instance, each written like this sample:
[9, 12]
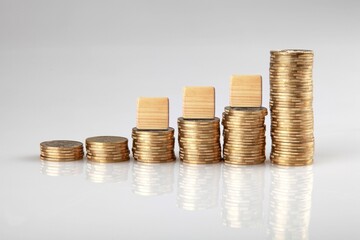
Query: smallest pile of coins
[107, 149]
[61, 150]
[244, 135]
[153, 146]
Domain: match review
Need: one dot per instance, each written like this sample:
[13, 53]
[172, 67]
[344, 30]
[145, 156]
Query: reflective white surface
[159, 201]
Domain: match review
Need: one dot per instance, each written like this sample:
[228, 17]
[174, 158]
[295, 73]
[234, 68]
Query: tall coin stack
[107, 149]
[153, 139]
[244, 122]
[291, 97]
[199, 129]
[61, 150]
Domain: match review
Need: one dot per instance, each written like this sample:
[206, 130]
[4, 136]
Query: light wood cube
[152, 113]
[246, 91]
[199, 102]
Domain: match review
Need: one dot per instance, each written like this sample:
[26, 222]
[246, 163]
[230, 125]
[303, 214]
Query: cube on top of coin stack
[152, 113]
[246, 91]
[243, 121]
[153, 139]
[199, 129]
[61, 150]
[199, 103]
[107, 149]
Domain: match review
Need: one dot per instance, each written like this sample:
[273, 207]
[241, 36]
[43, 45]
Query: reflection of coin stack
[107, 172]
[107, 149]
[71, 168]
[243, 195]
[291, 97]
[61, 150]
[199, 130]
[153, 179]
[290, 202]
[198, 186]
[243, 121]
[153, 140]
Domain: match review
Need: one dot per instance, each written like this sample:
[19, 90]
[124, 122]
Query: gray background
[74, 69]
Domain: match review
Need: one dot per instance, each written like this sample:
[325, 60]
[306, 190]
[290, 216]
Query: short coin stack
[153, 146]
[199, 129]
[153, 139]
[61, 150]
[199, 140]
[244, 135]
[244, 122]
[291, 97]
[107, 149]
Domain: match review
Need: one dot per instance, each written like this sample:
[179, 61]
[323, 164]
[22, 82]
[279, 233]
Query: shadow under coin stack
[291, 97]
[153, 139]
[244, 122]
[61, 150]
[199, 129]
[107, 149]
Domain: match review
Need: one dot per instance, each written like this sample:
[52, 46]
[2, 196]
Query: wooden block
[152, 113]
[199, 102]
[245, 91]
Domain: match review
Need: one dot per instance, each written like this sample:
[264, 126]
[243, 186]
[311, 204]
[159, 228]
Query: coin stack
[61, 150]
[244, 122]
[107, 149]
[153, 146]
[291, 97]
[153, 139]
[199, 129]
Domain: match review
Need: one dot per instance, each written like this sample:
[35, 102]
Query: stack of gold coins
[153, 139]
[61, 150]
[153, 146]
[199, 129]
[291, 97]
[244, 122]
[107, 149]
[199, 140]
[244, 135]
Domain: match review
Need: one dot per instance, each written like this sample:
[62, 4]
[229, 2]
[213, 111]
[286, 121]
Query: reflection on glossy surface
[153, 179]
[107, 172]
[198, 186]
[243, 196]
[290, 202]
[71, 168]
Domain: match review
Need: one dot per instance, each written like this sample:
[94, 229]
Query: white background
[74, 69]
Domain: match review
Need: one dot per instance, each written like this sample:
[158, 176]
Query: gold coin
[106, 140]
[61, 144]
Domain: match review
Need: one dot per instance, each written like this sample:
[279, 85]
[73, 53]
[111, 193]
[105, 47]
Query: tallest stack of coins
[291, 97]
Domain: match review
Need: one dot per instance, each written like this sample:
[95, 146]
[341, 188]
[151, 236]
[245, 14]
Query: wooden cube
[245, 91]
[199, 102]
[152, 113]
